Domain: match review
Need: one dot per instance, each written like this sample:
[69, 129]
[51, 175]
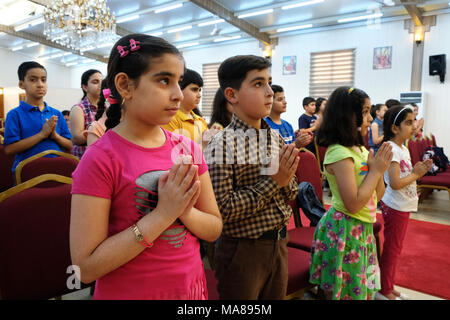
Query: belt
[276, 234]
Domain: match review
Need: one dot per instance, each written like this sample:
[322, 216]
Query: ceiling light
[211, 22]
[33, 44]
[169, 8]
[71, 64]
[156, 34]
[188, 45]
[301, 4]
[255, 13]
[306, 26]
[179, 29]
[17, 48]
[370, 16]
[129, 18]
[227, 38]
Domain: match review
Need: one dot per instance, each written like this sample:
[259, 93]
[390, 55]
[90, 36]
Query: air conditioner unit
[417, 97]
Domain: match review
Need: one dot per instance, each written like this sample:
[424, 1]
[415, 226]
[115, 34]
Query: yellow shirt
[192, 128]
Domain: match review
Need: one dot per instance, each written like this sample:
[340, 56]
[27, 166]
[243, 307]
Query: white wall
[380, 85]
[60, 93]
[437, 113]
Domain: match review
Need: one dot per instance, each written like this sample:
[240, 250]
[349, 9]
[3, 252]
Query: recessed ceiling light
[227, 39]
[129, 18]
[169, 8]
[301, 4]
[370, 16]
[179, 29]
[306, 26]
[255, 13]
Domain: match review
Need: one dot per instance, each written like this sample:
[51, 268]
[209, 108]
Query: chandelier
[79, 24]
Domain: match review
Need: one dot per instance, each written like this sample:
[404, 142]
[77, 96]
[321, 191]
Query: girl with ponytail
[141, 196]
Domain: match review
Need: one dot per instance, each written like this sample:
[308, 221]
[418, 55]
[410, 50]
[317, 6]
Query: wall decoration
[382, 58]
[289, 65]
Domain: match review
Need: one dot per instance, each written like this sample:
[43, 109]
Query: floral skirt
[344, 257]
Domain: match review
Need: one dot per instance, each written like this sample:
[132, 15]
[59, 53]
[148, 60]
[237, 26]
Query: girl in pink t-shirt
[142, 196]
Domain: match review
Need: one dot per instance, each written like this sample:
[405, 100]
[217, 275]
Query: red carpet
[424, 264]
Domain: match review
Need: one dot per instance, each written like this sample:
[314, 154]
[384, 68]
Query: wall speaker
[438, 66]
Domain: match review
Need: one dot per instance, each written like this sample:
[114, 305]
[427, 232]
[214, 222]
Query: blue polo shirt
[26, 121]
[285, 129]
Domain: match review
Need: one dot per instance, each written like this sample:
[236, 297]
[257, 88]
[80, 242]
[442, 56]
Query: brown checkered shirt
[249, 200]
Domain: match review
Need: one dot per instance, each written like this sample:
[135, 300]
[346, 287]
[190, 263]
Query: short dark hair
[392, 102]
[389, 118]
[191, 76]
[308, 100]
[24, 67]
[342, 118]
[233, 71]
[66, 113]
[276, 88]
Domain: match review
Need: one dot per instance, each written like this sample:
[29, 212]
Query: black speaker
[438, 66]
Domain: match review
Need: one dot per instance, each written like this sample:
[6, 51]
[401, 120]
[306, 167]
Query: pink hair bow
[134, 45]
[123, 50]
[107, 95]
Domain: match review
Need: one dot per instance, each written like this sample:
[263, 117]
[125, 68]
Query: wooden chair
[34, 240]
[320, 155]
[38, 164]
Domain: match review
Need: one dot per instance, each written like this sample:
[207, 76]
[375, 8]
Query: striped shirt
[240, 160]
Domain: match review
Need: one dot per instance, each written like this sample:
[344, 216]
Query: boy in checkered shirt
[253, 175]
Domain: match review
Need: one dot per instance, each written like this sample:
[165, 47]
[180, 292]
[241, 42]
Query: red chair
[307, 170]
[6, 176]
[34, 241]
[211, 282]
[298, 277]
[320, 155]
[38, 165]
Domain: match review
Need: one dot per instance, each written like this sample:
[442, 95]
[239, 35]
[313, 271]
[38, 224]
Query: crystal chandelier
[79, 24]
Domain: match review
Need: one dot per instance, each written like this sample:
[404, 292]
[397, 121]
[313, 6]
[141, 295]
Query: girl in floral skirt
[344, 254]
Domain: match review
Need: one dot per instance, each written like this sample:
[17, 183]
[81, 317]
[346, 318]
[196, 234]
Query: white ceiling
[321, 15]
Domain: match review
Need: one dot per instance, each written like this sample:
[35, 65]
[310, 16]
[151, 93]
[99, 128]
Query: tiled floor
[436, 208]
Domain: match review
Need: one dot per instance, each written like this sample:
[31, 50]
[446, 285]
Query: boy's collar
[238, 123]
[30, 107]
[184, 117]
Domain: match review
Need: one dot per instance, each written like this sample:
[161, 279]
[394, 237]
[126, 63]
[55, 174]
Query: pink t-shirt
[116, 169]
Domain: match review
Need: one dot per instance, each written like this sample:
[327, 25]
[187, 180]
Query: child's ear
[21, 86]
[394, 129]
[123, 85]
[231, 95]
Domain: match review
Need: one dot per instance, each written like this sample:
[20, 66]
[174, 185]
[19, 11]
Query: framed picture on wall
[289, 65]
[382, 58]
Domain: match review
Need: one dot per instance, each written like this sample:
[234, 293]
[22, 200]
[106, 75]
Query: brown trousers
[249, 269]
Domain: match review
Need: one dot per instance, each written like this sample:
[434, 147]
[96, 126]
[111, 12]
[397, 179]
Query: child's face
[380, 113]
[35, 83]
[255, 97]
[94, 85]
[310, 108]
[406, 129]
[192, 96]
[323, 105]
[367, 118]
[279, 103]
[157, 96]
[416, 112]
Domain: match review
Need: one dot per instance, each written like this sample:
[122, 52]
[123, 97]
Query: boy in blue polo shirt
[33, 126]
[284, 128]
